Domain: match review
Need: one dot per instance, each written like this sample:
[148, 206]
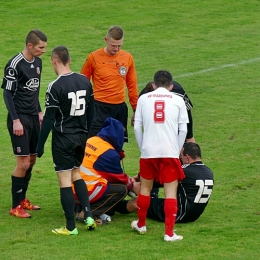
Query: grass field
[212, 49]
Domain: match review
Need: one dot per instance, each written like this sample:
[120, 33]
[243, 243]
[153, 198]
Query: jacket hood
[113, 132]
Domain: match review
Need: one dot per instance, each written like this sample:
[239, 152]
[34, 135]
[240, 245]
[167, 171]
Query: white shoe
[105, 217]
[140, 230]
[175, 237]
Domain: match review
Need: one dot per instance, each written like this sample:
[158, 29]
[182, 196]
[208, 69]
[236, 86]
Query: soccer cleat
[140, 230]
[175, 237]
[90, 223]
[26, 204]
[19, 212]
[64, 231]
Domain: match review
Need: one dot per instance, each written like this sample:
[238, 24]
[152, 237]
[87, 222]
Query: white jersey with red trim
[159, 113]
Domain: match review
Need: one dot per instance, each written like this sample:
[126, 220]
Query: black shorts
[103, 111]
[156, 209]
[26, 144]
[68, 150]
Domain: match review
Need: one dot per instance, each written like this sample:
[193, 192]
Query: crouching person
[101, 170]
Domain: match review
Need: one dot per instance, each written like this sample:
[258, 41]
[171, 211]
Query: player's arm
[47, 124]
[8, 98]
[182, 135]
[109, 167]
[87, 69]
[138, 126]
[48, 121]
[131, 82]
[17, 125]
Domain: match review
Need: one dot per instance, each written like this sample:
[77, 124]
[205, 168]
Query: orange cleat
[26, 204]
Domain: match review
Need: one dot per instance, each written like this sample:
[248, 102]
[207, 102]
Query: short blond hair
[115, 32]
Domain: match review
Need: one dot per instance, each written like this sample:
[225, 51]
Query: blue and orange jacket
[101, 164]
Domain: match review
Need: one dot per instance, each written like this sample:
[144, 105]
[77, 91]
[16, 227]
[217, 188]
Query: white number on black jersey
[78, 102]
[204, 191]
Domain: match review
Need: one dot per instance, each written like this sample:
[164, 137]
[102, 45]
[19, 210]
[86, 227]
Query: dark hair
[192, 149]
[162, 78]
[62, 53]
[115, 32]
[148, 88]
[34, 36]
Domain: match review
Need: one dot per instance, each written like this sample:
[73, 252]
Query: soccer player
[111, 70]
[178, 90]
[194, 190]
[160, 129]
[21, 84]
[101, 170]
[67, 103]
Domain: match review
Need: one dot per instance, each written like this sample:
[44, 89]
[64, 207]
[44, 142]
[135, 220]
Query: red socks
[170, 210]
[143, 203]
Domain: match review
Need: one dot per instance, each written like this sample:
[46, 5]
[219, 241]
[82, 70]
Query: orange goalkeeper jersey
[111, 75]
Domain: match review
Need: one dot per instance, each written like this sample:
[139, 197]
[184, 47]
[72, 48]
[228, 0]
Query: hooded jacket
[101, 164]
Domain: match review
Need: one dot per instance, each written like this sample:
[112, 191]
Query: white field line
[218, 68]
[211, 69]
[197, 72]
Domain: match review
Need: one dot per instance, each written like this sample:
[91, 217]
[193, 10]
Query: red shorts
[164, 170]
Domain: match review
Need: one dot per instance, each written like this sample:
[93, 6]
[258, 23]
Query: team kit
[87, 116]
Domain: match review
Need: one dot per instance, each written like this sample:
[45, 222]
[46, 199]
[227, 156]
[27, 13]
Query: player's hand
[40, 118]
[136, 188]
[17, 127]
[136, 178]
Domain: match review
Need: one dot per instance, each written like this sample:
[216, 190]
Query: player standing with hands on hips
[111, 70]
[160, 129]
[68, 99]
[21, 86]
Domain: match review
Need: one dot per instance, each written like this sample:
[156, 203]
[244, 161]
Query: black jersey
[178, 90]
[193, 195]
[66, 102]
[22, 78]
[194, 191]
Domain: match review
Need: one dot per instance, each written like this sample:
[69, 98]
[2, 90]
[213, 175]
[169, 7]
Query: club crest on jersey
[32, 84]
[18, 149]
[38, 70]
[10, 74]
[122, 70]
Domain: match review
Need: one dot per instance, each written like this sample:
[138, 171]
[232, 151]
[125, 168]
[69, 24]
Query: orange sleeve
[87, 69]
[131, 82]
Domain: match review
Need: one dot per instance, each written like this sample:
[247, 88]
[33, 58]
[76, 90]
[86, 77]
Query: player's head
[61, 54]
[36, 42]
[191, 150]
[162, 78]
[114, 40]
[148, 88]
[60, 58]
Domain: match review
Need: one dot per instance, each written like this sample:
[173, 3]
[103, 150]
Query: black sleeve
[189, 126]
[8, 98]
[47, 125]
[39, 107]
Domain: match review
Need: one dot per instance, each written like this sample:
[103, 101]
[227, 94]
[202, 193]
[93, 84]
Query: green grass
[212, 49]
